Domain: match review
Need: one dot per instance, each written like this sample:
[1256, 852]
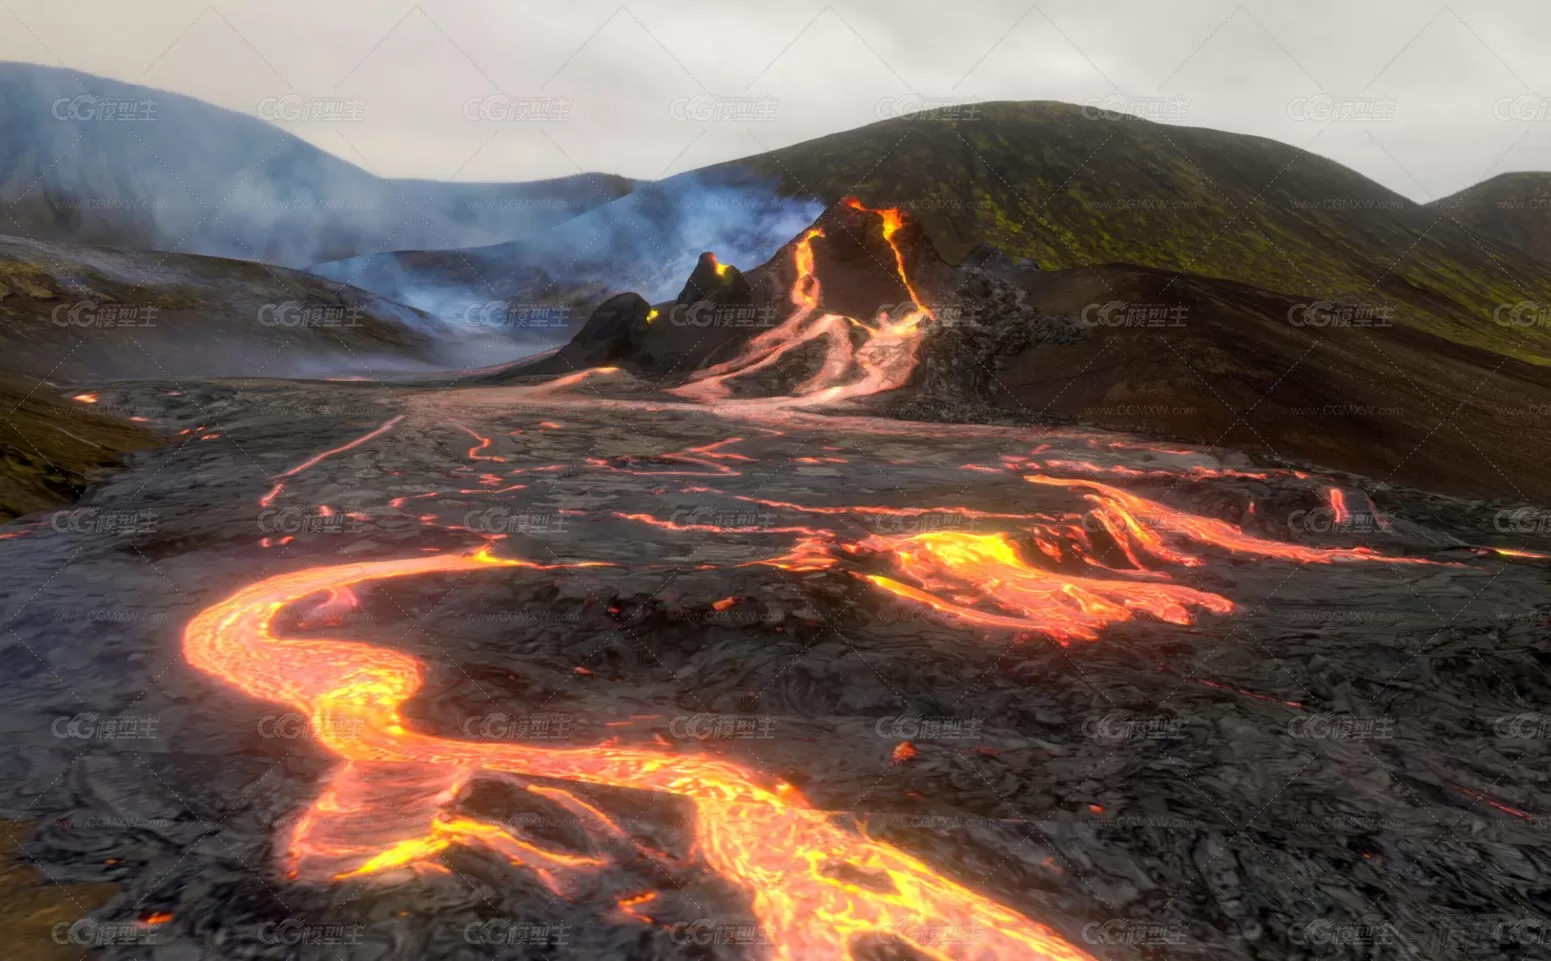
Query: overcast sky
[1448, 94]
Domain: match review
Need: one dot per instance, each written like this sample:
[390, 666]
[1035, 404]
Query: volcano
[858, 304]
[682, 642]
[861, 310]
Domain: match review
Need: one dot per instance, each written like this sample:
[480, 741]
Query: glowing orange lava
[1514, 552]
[484, 442]
[1336, 498]
[569, 380]
[953, 572]
[815, 886]
[989, 579]
[316, 459]
[1140, 525]
[968, 512]
[884, 360]
[893, 220]
[706, 455]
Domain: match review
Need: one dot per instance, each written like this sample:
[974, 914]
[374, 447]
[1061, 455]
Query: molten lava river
[707, 549]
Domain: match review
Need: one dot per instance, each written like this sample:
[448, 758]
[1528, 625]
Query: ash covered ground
[1350, 763]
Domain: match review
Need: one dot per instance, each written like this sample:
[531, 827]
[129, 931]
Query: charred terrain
[927, 586]
[759, 624]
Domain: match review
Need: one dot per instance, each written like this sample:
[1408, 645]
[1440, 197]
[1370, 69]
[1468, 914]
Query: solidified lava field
[580, 670]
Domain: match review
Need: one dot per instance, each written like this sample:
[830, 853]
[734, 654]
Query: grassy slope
[31, 904]
[49, 446]
[1040, 180]
[1514, 207]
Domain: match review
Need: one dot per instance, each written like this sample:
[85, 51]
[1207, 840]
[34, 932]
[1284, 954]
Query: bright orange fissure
[883, 361]
[798, 867]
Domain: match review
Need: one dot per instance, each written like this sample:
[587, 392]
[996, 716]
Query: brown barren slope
[1384, 400]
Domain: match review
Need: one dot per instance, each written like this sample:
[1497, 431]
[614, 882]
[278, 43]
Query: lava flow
[816, 887]
[954, 569]
[986, 580]
[884, 360]
[316, 459]
[1138, 524]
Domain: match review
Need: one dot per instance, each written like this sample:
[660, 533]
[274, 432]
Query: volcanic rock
[714, 282]
[988, 322]
[995, 260]
[870, 265]
[610, 334]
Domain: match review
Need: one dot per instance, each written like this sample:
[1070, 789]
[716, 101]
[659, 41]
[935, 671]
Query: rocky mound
[76, 313]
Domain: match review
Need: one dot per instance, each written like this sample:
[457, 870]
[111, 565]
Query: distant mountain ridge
[84, 159]
[1053, 184]
[1512, 207]
[645, 241]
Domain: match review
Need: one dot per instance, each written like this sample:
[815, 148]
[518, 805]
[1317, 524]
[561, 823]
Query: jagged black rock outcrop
[609, 335]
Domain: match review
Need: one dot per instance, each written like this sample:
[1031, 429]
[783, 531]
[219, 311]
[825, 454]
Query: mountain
[1514, 208]
[1047, 182]
[646, 241]
[71, 313]
[85, 159]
